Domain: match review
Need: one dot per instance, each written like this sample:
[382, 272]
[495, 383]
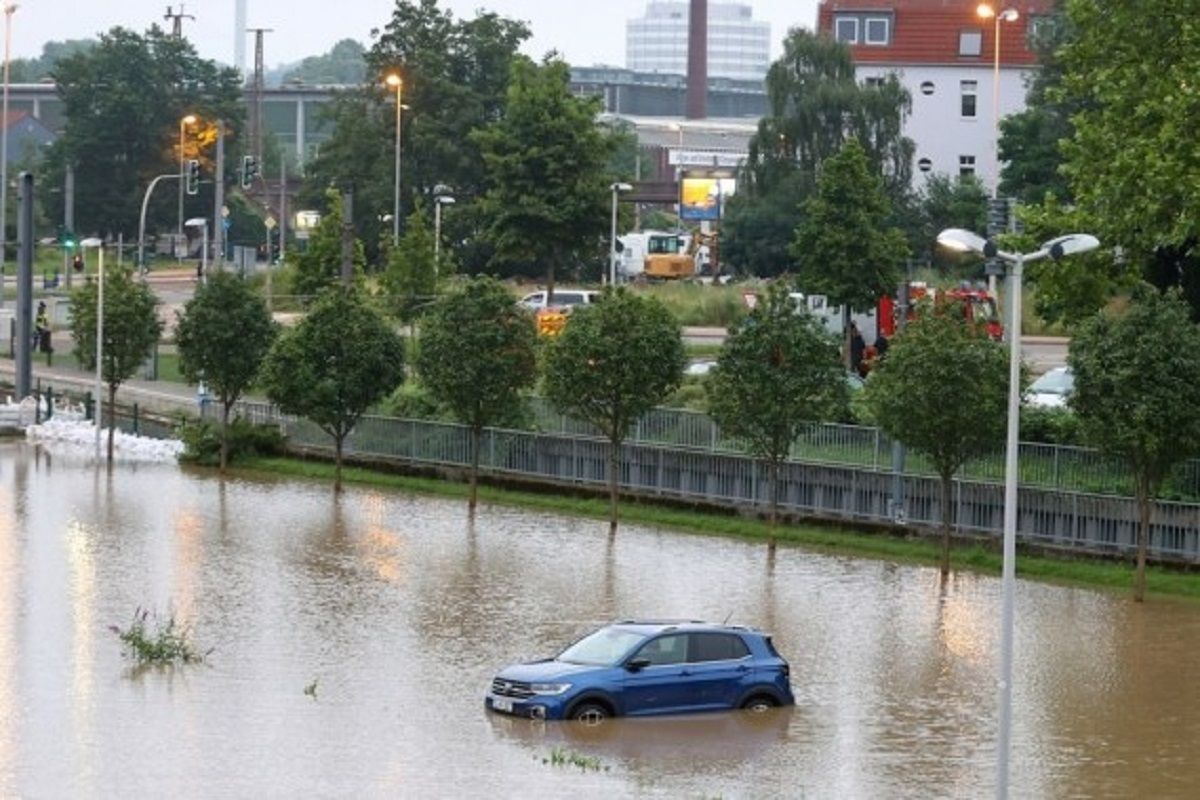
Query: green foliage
[223, 336]
[410, 280]
[844, 247]
[36, 70]
[563, 757]
[946, 202]
[319, 266]
[615, 360]
[245, 440]
[131, 326]
[758, 228]
[690, 394]
[777, 371]
[699, 304]
[339, 361]
[546, 162]
[343, 65]
[123, 100]
[1132, 161]
[1050, 426]
[478, 352]
[150, 640]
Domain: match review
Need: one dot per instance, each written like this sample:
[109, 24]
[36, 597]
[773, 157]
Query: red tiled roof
[13, 118]
[927, 31]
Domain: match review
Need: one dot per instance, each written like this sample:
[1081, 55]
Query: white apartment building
[943, 52]
[739, 47]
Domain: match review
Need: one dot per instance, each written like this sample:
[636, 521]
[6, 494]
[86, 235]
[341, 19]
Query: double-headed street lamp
[617, 190]
[396, 82]
[963, 242]
[190, 119]
[986, 11]
[438, 201]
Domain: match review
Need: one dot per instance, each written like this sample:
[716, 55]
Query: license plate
[502, 705]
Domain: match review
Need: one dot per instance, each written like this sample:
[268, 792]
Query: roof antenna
[726, 620]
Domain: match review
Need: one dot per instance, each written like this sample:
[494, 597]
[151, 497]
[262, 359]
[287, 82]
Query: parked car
[1052, 389]
[638, 668]
[563, 298]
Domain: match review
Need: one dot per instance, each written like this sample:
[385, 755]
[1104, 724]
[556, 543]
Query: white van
[563, 298]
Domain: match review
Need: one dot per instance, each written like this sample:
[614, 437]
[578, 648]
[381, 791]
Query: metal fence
[1070, 520]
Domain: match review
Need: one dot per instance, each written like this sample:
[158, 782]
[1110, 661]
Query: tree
[777, 371]
[223, 336]
[36, 70]
[123, 100]
[410, 280]
[345, 64]
[1132, 160]
[1134, 376]
[547, 170]
[339, 361]
[946, 202]
[477, 354]
[319, 266]
[943, 391]
[615, 360]
[844, 246]
[131, 329]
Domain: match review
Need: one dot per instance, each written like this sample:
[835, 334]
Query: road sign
[270, 223]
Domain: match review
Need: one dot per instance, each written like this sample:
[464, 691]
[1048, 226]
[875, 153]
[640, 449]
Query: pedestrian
[857, 348]
[77, 262]
[41, 327]
[881, 345]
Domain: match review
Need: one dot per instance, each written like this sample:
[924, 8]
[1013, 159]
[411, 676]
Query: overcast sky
[584, 31]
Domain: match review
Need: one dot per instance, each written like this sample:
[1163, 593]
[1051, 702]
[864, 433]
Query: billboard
[701, 196]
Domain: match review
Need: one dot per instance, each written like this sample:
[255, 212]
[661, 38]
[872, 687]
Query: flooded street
[401, 612]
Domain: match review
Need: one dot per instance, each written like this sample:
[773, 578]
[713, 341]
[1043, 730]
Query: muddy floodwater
[400, 612]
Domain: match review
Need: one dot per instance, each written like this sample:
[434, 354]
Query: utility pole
[282, 206]
[24, 342]
[69, 218]
[176, 19]
[347, 236]
[219, 199]
[256, 117]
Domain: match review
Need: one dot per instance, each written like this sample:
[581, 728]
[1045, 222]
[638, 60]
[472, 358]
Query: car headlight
[549, 688]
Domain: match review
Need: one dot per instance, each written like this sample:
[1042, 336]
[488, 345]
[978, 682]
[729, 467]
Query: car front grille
[507, 688]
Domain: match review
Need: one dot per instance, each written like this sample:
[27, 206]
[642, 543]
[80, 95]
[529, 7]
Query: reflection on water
[402, 609]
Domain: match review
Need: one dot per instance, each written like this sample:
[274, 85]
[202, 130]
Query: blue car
[638, 668]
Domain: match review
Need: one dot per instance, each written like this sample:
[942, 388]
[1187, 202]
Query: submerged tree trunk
[614, 469]
[338, 439]
[112, 418]
[774, 499]
[476, 434]
[947, 504]
[225, 434]
[1143, 541]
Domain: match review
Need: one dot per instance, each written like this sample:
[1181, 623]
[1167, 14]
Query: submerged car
[639, 668]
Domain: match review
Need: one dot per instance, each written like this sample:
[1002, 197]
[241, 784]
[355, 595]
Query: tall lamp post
[190, 119]
[438, 202]
[9, 9]
[986, 11]
[617, 190]
[966, 241]
[99, 389]
[396, 82]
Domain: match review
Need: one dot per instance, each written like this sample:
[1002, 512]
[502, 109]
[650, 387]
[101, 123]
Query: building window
[874, 82]
[927, 87]
[970, 97]
[846, 29]
[877, 30]
[970, 43]
[925, 165]
[966, 166]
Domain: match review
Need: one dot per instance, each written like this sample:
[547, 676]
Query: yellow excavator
[668, 257]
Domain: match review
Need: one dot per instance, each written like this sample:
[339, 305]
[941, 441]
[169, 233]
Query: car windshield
[567, 299]
[1056, 381]
[603, 648]
[663, 245]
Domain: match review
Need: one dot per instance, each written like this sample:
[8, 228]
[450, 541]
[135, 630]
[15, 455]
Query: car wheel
[759, 703]
[590, 713]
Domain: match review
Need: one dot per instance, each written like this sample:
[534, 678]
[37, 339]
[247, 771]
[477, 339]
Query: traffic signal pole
[142, 220]
[219, 200]
[69, 219]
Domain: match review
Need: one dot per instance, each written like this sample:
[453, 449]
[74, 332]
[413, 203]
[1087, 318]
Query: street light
[9, 9]
[985, 11]
[438, 202]
[617, 189]
[396, 82]
[99, 245]
[190, 119]
[963, 242]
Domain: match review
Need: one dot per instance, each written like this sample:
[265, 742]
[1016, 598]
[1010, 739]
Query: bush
[689, 395]
[413, 401]
[1050, 426]
[701, 305]
[202, 441]
[162, 642]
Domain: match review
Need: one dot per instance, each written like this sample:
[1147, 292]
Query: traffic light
[275, 246]
[66, 237]
[193, 177]
[997, 216]
[249, 171]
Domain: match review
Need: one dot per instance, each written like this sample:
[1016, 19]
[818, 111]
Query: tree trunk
[1143, 541]
[846, 335]
[947, 493]
[773, 488]
[337, 471]
[550, 284]
[112, 418]
[614, 469]
[476, 434]
[224, 435]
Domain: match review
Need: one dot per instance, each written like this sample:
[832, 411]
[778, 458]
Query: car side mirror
[636, 664]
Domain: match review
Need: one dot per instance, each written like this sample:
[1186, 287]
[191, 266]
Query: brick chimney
[697, 74]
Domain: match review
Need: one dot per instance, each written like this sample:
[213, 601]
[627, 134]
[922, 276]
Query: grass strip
[828, 540]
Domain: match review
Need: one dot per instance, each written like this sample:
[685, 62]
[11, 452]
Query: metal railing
[1079, 521]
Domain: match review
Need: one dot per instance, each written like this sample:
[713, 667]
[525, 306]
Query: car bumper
[537, 707]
